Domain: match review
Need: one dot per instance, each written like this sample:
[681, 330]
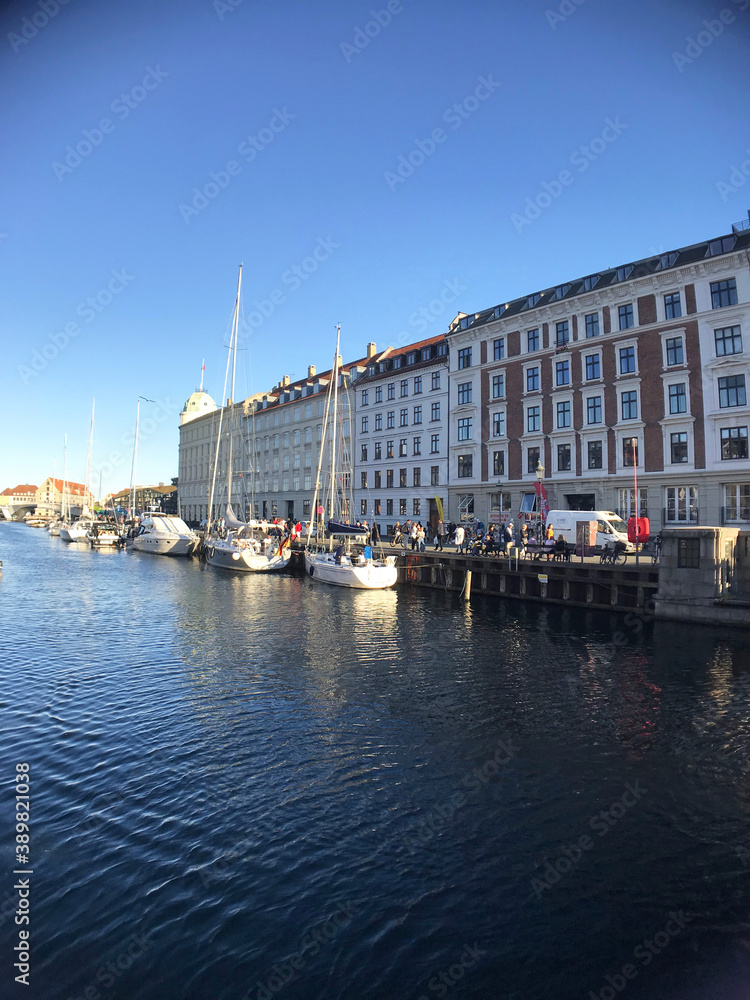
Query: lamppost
[540, 518]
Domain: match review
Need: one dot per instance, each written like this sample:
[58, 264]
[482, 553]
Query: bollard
[467, 585]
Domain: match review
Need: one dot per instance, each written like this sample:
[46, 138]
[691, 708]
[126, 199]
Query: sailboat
[340, 566]
[241, 550]
[77, 531]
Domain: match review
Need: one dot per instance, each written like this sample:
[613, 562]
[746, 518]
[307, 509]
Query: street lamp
[539, 477]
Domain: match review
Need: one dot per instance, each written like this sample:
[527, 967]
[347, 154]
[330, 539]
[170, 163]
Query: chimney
[286, 380]
[311, 371]
[371, 350]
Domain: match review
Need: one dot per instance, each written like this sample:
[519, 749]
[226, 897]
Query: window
[672, 306]
[594, 454]
[627, 360]
[417, 384]
[624, 272]
[378, 451]
[402, 508]
[389, 449]
[498, 463]
[532, 459]
[593, 367]
[675, 353]
[435, 380]
[732, 391]
[378, 421]
[562, 373]
[590, 282]
[678, 447]
[532, 340]
[398, 362]
[498, 386]
[626, 505]
[404, 386]
[594, 410]
[434, 475]
[464, 429]
[434, 444]
[562, 334]
[364, 480]
[562, 290]
[625, 314]
[563, 414]
[733, 443]
[533, 419]
[417, 415]
[364, 452]
[681, 503]
[379, 394]
[498, 349]
[365, 397]
[402, 477]
[688, 553]
[417, 478]
[403, 418]
[364, 425]
[415, 508]
[532, 379]
[378, 479]
[435, 411]
[723, 293]
[464, 358]
[723, 245]
[464, 393]
[563, 458]
[376, 507]
[417, 446]
[498, 425]
[389, 478]
[465, 463]
[630, 405]
[728, 341]
[533, 299]
[390, 420]
[391, 390]
[737, 497]
[629, 452]
[389, 508]
[592, 325]
[403, 445]
[677, 398]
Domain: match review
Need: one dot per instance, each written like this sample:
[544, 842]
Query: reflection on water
[222, 765]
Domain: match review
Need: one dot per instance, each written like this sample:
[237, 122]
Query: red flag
[542, 495]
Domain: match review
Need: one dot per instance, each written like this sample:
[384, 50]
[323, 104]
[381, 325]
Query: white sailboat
[77, 531]
[340, 566]
[241, 550]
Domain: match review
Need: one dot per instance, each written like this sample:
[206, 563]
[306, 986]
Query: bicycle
[613, 555]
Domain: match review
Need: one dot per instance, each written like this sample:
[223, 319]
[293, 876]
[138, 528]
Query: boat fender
[211, 552]
[312, 571]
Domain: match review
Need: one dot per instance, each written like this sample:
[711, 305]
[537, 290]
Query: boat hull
[164, 546]
[245, 560]
[370, 576]
[70, 533]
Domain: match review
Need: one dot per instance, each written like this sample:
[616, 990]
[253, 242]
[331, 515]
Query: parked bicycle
[614, 554]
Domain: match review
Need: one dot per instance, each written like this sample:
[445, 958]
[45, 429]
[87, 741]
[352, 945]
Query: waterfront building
[401, 437]
[15, 501]
[275, 450]
[53, 492]
[162, 497]
[638, 368]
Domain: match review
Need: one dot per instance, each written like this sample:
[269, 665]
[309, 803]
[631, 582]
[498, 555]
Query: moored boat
[165, 535]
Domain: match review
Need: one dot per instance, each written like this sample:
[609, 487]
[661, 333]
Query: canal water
[263, 787]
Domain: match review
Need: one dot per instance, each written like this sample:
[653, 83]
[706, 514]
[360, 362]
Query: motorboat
[104, 534]
[165, 535]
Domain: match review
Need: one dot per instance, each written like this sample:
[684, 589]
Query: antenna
[203, 368]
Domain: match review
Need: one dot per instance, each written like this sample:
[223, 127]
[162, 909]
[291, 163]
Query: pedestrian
[524, 536]
[460, 537]
[439, 536]
[420, 537]
[413, 536]
[375, 533]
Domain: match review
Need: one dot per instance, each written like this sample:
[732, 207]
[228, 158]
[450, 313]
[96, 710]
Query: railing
[735, 514]
[739, 227]
[625, 514]
[692, 516]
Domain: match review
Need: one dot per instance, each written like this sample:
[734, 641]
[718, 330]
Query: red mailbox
[639, 530]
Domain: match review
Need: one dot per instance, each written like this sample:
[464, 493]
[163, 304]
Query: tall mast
[209, 515]
[135, 454]
[88, 460]
[235, 326]
[65, 513]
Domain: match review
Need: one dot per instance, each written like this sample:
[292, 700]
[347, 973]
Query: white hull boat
[165, 535]
[247, 555]
[77, 531]
[358, 573]
[103, 535]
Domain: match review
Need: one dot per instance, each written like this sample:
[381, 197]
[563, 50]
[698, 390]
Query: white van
[610, 527]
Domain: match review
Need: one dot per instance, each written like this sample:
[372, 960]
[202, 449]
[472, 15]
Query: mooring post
[467, 585]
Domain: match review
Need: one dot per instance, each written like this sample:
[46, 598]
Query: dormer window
[442, 350]
[533, 299]
[397, 362]
[371, 369]
[724, 245]
[562, 290]
[411, 357]
[498, 311]
[624, 272]
[426, 353]
[668, 259]
[464, 322]
[590, 282]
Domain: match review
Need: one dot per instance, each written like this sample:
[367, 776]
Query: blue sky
[150, 148]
